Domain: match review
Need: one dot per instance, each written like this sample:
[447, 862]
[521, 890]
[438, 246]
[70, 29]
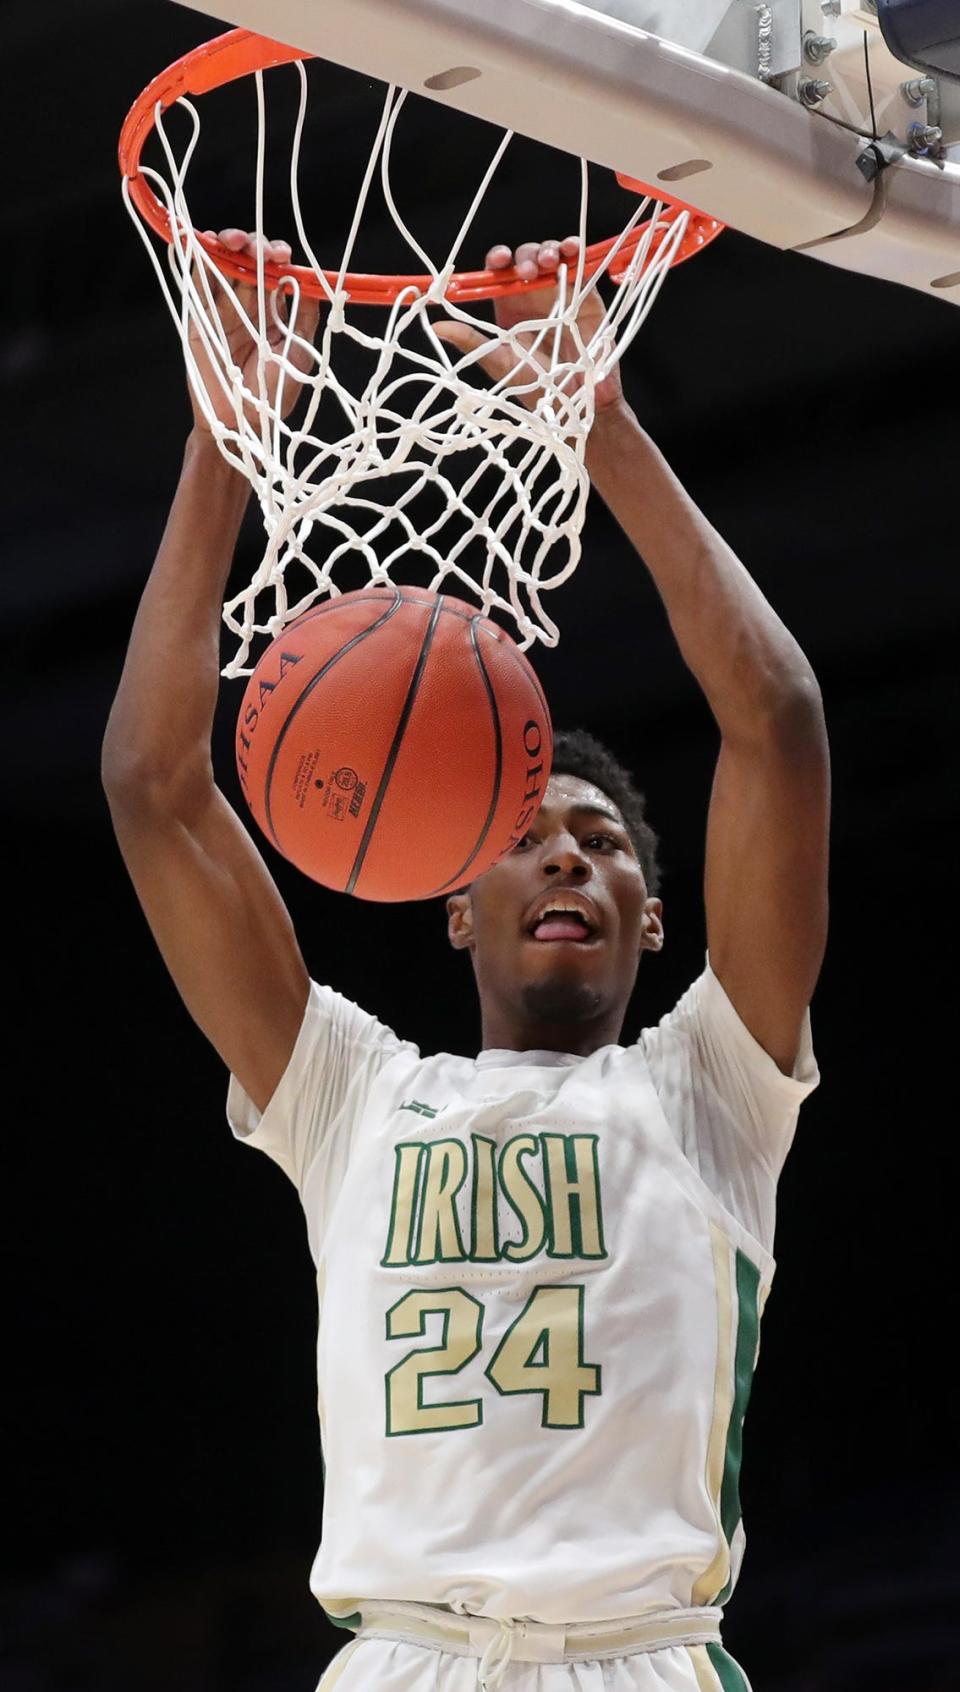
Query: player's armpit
[222, 929]
[766, 870]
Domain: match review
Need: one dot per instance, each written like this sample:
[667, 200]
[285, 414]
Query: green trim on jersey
[351, 1623]
[748, 1334]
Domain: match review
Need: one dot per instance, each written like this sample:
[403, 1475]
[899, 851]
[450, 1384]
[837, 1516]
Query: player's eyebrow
[582, 809]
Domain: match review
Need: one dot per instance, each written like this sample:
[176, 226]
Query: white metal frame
[593, 83]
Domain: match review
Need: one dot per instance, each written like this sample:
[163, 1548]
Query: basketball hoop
[421, 417]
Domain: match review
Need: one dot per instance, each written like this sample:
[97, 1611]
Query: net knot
[436, 293]
[339, 300]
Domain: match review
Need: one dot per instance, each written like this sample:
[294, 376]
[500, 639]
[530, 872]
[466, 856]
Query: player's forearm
[159, 727]
[743, 656]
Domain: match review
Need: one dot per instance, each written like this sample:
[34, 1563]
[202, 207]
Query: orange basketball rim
[240, 52]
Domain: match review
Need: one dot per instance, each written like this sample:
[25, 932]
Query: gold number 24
[550, 1322]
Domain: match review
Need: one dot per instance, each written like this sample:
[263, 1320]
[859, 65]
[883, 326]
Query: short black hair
[577, 752]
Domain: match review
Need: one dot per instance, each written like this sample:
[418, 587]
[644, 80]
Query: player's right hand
[536, 261]
[242, 344]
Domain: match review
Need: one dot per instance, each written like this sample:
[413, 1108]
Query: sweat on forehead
[566, 792]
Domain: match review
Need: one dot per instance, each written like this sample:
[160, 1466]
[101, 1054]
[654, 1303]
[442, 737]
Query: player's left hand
[242, 345]
[535, 260]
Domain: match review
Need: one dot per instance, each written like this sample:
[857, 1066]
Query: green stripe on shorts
[729, 1674]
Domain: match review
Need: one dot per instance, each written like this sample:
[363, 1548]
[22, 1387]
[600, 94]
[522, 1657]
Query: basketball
[393, 743]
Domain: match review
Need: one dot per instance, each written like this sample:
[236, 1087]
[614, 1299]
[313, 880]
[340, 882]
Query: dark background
[163, 1497]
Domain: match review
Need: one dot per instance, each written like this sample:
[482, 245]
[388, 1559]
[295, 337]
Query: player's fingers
[280, 253]
[253, 244]
[212, 277]
[309, 318]
[208, 235]
[234, 239]
[497, 362]
[525, 259]
[243, 244]
[532, 258]
[460, 335]
[247, 242]
[305, 326]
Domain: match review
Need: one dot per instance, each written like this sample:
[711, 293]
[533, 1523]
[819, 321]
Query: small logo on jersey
[421, 1109]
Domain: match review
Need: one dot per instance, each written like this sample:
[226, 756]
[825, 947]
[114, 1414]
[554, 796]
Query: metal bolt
[922, 136]
[918, 89]
[830, 8]
[816, 48]
[812, 90]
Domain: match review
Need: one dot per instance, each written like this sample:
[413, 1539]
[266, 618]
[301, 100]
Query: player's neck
[502, 1031]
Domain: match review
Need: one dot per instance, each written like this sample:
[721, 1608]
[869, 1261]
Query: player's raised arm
[768, 827]
[767, 832]
[211, 903]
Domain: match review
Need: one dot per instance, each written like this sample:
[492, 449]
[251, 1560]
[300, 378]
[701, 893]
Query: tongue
[560, 928]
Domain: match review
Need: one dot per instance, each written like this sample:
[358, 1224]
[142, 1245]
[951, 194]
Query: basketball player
[541, 1270]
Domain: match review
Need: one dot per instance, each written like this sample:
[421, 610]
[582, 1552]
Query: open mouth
[565, 927]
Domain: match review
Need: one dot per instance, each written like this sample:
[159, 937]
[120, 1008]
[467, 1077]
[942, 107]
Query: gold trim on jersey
[707, 1680]
[564, 1220]
[716, 1670]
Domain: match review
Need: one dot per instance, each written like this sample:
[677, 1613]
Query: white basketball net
[510, 477]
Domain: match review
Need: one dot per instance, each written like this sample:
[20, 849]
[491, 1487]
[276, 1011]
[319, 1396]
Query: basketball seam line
[498, 769]
[395, 748]
[314, 681]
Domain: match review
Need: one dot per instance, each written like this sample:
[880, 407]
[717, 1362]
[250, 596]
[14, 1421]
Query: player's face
[559, 982]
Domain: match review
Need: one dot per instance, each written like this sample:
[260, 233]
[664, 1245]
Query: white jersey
[540, 1282]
